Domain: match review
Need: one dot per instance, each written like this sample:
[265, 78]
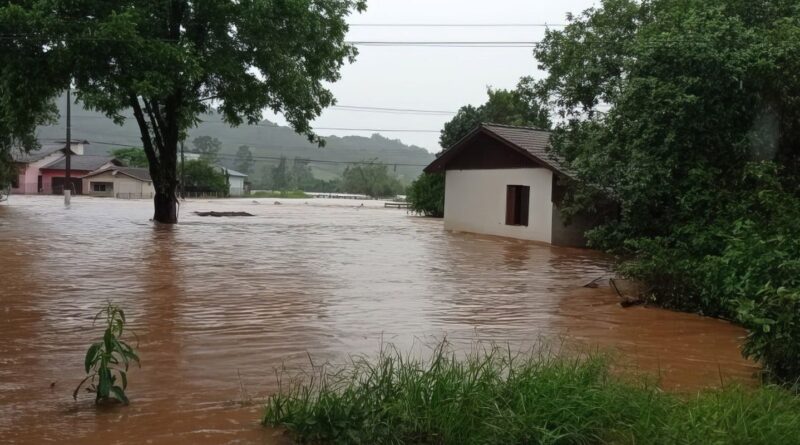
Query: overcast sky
[434, 78]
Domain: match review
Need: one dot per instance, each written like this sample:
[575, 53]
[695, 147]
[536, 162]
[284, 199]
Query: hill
[267, 142]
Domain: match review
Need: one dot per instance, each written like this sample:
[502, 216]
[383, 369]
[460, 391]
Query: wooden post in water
[67, 180]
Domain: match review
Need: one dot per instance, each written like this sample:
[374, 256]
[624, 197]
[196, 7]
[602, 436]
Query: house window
[102, 186]
[15, 181]
[517, 203]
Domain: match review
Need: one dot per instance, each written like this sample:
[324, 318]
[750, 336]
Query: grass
[491, 396]
[289, 194]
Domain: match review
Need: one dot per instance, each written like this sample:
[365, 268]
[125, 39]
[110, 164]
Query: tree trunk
[166, 209]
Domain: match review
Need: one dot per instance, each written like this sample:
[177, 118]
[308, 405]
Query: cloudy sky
[434, 78]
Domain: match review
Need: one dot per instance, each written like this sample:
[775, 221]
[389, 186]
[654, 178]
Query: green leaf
[91, 356]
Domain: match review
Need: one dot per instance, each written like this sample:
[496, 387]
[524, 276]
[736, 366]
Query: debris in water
[630, 293]
[218, 214]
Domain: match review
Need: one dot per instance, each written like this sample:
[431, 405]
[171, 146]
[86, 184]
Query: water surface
[219, 303]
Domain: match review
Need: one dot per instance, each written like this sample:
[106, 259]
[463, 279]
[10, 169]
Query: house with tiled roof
[119, 182]
[44, 170]
[504, 180]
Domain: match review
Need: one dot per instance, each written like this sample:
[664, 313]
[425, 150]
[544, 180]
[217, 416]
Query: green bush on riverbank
[493, 397]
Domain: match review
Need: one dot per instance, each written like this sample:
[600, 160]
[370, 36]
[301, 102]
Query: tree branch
[147, 141]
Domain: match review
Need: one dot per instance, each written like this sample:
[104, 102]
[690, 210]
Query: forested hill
[266, 141]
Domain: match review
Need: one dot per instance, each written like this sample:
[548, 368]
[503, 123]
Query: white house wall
[237, 185]
[123, 184]
[475, 201]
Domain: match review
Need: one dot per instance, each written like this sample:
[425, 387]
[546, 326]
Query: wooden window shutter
[525, 202]
[511, 203]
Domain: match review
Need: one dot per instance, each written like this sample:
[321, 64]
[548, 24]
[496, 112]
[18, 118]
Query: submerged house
[503, 180]
[32, 180]
[119, 182]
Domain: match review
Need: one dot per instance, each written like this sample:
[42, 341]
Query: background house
[119, 182]
[54, 174]
[236, 180]
[502, 180]
[30, 179]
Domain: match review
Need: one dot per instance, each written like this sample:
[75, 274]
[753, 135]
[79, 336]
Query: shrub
[107, 361]
[426, 195]
[494, 397]
[742, 263]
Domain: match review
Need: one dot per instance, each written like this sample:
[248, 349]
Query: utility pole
[183, 175]
[67, 180]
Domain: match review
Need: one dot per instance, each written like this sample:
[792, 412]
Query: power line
[390, 110]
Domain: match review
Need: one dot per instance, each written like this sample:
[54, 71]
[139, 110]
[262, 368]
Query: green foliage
[131, 157]
[201, 176]
[495, 397]
[370, 178]
[208, 147]
[167, 61]
[244, 159]
[107, 361]
[426, 195]
[516, 107]
[669, 108]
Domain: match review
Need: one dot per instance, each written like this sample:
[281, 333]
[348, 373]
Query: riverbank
[494, 396]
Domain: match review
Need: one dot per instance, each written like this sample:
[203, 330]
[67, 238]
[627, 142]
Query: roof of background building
[142, 174]
[80, 162]
[43, 151]
[233, 172]
[533, 142]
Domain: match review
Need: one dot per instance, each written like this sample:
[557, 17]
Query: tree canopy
[244, 159]
[208, 147]
[687, 114]
[170, 61]
[131, 157]
[509, 107]
[201, 176]
[370, 178]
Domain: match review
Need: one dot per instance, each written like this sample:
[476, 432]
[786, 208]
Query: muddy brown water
[219, 303]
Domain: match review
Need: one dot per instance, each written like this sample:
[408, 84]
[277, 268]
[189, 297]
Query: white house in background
[236, 181]
[119, 182]
[503, 180]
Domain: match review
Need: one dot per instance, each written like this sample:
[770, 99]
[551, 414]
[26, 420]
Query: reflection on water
[218, 303]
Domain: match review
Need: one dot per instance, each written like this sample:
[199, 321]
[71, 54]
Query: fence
[134, 196]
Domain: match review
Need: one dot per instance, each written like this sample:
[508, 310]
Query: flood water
[219, 303]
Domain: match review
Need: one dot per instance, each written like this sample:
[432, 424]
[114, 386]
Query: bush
[426, 195]
[742, 263]
[494, 397]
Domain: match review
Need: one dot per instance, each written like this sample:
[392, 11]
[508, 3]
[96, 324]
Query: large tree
[171, 61]
[244, 159]
[207, 147]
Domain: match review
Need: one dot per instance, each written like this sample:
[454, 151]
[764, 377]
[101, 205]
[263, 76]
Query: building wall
[48, 175]
[123, 185]
[475, 201]
[236, 185]
[29, 174]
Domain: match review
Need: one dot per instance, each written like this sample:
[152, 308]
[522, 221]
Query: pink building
[44, 170]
